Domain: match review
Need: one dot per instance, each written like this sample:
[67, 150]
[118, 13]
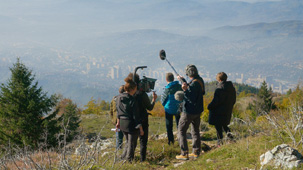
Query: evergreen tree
[23, 108]
[288, 92]
[264, 101]
[69, 119]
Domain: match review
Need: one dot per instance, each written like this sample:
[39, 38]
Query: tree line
[29, 116]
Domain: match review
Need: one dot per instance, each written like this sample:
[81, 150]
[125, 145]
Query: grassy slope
[102, 124]
[240, 155]
[243, 154]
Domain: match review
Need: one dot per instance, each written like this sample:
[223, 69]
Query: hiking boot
[193, 155]
[182, 157]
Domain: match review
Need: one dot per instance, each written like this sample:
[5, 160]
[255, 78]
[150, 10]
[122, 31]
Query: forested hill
[211, 86]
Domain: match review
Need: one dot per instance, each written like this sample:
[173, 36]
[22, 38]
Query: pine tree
[264, 101]
[23, 108]
[70, 119]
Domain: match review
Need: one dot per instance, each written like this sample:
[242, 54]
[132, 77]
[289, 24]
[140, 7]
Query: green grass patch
[95, 124]
[243, 154]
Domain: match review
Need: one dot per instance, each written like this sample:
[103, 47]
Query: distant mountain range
[72, 45]
[261, 43]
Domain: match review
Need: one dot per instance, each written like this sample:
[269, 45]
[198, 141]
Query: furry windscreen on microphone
[179, 95]
[162, 55]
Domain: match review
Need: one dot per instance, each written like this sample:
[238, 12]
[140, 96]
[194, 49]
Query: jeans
[119, 139]
[184, 122]
[169, 126]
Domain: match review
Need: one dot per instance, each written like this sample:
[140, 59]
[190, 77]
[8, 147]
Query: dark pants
[184, 122]
[143, 140]
[130, 146]
[169, 126]
[220, 128]
[119, 139]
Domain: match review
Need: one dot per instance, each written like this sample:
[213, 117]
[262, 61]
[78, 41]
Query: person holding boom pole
[192, 98]
[192, 109]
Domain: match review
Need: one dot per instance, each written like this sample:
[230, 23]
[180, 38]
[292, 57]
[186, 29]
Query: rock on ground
[282, 156]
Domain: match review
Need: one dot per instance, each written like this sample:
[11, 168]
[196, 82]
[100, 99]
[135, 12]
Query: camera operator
[129, 121]
[144, 104]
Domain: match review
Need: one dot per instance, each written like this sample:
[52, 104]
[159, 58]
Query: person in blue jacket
[171, 105]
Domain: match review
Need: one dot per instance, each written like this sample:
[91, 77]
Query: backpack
[113, 110]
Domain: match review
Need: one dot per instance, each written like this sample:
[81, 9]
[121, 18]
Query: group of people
[184, 101]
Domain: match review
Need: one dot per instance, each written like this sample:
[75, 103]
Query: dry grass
[252, 140]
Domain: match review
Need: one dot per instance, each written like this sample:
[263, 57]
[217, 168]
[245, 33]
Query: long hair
[137, 79]
[129, 84]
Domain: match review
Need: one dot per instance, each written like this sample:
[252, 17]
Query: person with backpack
[144, 104]
[220, 108]
[129, 121]
[113, 115]
[171, 105]
[192, 109]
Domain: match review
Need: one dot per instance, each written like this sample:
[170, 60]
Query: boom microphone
[162, 56]
[179, 96]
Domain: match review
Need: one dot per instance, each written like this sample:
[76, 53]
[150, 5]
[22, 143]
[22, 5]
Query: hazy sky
[251, 1]
[69, 19]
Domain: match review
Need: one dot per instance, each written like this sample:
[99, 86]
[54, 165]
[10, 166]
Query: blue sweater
[171, 105]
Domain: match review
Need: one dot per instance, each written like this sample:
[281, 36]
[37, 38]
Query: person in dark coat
[192, 110]
[144, 104]
[171, 105]
[220, 108]
[129, 121]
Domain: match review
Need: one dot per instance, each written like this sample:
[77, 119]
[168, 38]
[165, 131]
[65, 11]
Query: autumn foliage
[158, 110]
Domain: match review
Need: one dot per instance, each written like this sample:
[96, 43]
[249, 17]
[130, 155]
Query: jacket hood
[171, 84]
[125, 98]
[226, 85]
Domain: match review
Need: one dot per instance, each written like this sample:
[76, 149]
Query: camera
[146, 84]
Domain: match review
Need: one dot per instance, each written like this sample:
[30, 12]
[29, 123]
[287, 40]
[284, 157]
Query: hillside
[255, 130]
[268, 49]
[90, 46]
